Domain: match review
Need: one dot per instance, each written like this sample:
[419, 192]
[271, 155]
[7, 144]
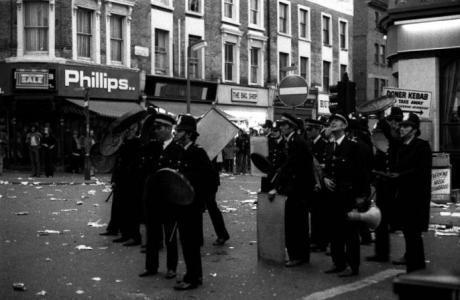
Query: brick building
[371, 71]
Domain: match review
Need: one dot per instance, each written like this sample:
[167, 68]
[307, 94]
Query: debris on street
[97, 224]
[22, 213]
[48, 232]
[19, 286]
[83, 247]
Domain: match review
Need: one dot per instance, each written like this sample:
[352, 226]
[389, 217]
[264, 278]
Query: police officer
[318, 207]
[346, 181]
[159, 216]
[276, 147]
[295, 179]
[198, 169]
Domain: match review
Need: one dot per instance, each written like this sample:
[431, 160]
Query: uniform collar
[188, 145]
[167, 142]
[290, 136]
[317, 139]
[339, 140]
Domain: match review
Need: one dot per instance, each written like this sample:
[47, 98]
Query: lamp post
[192, 47]
[87, 139]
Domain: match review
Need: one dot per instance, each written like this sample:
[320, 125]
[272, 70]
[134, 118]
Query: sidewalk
[59, 178]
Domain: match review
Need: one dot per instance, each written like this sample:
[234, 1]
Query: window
[229, 49]
[326, 31]
[343, 70]
[195, 58]
[303, 23]
[116, 38]
[161, 52]
[84, 34]
[283, 18]
[343, 34]
[283, 63]
[255, 16]
[377, 19]
[254, 56]
[326, 75]
[304, 68]
[379, 84]
[376, 54]
[36, 26]
[383, 58]
[228, 9]
[194, 6]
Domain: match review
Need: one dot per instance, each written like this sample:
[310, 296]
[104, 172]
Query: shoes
[335, 270]
[134, 242]
[183, 286]
[220, 242]
[121, 240]
[376, 258]
[349, 273]
[399, 262]
[170, 274]
[148, 273]
[109, 233]
[295, 263]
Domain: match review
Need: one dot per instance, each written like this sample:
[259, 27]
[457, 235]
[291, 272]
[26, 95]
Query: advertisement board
[418, 102]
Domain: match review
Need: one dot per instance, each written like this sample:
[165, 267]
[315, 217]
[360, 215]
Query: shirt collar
[289, 137]
[317, 139]
[408, 141]
[188, 145]
[340, 139]
[166, 143]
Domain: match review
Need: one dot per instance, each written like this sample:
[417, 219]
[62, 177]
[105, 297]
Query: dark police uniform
[277, 151]
[344, 166]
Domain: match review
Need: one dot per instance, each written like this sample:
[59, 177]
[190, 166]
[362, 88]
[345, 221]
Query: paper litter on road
[433, 204]
[92, 192]
[83, 247]
[19, 286]
[107, 189]
[228, 209]
[48, 232]
[24, 182]
[47, 259]
[79, 202]
[69, 209]
[12, 197]
[79, 292]
[445, 213]
[4, 182]
[22, 213]
[97, 224]
[96, 278]
[96, 205]
[41, 293]
[213, 274]
[450, 214]
[38, 187]
[247, 201]
[118, 280]
[57, 199]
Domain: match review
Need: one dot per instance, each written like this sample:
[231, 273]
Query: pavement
[50, 242]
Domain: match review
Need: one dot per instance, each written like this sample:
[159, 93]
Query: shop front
[51, 95]
[424, 51]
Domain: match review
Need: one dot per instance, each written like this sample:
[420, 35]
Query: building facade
[371, 70]
[424, 50]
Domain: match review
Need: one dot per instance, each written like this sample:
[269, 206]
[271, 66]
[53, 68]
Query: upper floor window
[326, 24]
[326, 75]
[283, 64]
[376, 54]
[228, 9]
[229, 54]
[383, 58]
[84, 32]
[195, 6]
[343, 70]
[195, 59]
[304, 68]
[255, 65]
[36, 26]
[116, 38]
[377, 19]
[303, 23]
[255, 13]
[283, 22]
[343, 34]
[161, 52]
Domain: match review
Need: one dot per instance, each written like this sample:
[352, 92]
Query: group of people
[329, 170]
[235, 155]
[41, 144]
[137, 198]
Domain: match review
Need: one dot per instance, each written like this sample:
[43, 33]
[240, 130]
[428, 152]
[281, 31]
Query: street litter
[47, 259]
[41, 293]
[96, 278]
[19, 286]
[118, 280]
[97, 224]
[48, 232]
[79, 292]
[213, 274]
[38, 187]
[445, 213]
[450, 214]
[84, 197]
[50, 195]
[96, 205]
[107, 189]
[83, 247]
[24, 182]
[228, 209]
[79, 202]
[252, 242]
[433, 204]
[12, 197]
[248, 201]
[102, 248]
[69, 209]
[92, 192]
[22, 213]
[57, 199]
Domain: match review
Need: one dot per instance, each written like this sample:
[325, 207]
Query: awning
[111, 109]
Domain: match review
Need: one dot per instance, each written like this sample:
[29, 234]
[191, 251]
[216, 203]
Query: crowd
[138, 196]
[329, 169]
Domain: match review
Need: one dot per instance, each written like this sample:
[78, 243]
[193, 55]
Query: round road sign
[293, 90]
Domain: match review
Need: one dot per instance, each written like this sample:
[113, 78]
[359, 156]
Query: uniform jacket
[277, 152]
[413, 163]
[345, 166]
[295, 177]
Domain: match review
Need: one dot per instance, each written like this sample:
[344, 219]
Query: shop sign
[141, 51]
[323, 104]
[418, 102]
[102, 82]
[244, 96]
[34, 79]
[440, 182]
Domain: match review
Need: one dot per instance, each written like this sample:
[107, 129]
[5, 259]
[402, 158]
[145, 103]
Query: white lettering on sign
[418, 102]
[440, 181]
[323, 104]
[244, 96]
[98, 80]
[31, 78]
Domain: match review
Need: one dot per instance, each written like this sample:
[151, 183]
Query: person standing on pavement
[384, 162]
[33, 140]
[318, 205]
[345, 180]
[197, 168]
[75, 153]
[242, 149]
[228, 155]
[276, 148]
[3, 146]
[159, 217]
[48, 146]
[295, 180]
[413, 195]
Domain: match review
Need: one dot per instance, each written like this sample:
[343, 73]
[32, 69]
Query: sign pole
[87, 141]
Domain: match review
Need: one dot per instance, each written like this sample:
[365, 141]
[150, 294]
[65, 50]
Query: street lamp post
[87, 140]
[193, 47]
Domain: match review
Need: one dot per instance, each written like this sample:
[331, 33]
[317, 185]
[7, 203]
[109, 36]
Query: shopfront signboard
[418, 102]
[34, 79]
[323, 104]
[105, 83]
[239, 95]
[440, 183]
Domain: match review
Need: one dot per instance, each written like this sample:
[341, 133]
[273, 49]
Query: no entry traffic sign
[293, 90]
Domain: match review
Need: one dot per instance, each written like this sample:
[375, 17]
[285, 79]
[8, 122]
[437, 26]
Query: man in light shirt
[33, 140]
